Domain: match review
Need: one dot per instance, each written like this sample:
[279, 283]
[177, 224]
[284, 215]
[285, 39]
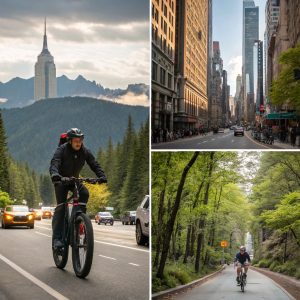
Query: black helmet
[74, 133]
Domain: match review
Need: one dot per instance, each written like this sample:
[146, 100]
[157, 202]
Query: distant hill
[20, 92]
[33, 131]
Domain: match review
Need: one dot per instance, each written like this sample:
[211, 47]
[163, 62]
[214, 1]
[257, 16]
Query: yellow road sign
[224, 244]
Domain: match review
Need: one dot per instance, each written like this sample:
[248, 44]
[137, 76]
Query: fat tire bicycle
[77, 231]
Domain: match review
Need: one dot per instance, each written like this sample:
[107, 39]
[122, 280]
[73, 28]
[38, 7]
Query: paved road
[223, 286]
[120, 268]
[225, 140]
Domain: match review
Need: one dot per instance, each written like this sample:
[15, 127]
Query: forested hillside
[33, 131]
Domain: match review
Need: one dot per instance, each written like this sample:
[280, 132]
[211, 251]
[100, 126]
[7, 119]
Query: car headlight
[9, 217]
[30, 217]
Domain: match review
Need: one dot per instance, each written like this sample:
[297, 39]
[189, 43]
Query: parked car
[142, 222]
[17, 215]
[104, 217]
[221, 130]
[128, 217]
[239, 131]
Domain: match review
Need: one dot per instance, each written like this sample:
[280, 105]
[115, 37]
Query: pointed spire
[45, 46]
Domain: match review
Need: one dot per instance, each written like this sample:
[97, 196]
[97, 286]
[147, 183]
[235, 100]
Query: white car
[142, 222]
[239, 131]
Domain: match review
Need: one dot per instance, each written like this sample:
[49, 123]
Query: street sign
[224, 244]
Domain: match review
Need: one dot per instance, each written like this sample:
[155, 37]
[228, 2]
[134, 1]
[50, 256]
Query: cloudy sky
[227, 29]
[103, 40]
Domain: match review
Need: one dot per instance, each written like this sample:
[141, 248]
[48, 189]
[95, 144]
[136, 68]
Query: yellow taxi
[17, 215]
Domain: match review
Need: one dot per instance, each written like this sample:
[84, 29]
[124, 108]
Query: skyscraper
[45, 73]
[163, 58]
[250, 35]
[191, 63]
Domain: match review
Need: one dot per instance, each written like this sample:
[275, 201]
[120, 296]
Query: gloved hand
[102, 180]
[56, 178]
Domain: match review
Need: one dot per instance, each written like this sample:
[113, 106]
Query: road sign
[224, 244]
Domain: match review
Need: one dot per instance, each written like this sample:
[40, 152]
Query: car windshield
[105, 214]
[18, 208]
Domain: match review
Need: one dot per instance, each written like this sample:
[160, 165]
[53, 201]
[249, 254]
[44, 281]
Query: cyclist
[240, 260]
[68, 160]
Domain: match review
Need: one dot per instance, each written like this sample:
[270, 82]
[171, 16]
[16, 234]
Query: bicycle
[77, 233]
[243, 278]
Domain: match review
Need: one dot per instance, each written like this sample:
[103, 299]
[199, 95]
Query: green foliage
[126, 166]
[4, 199]
[285, 89]
[4, 176]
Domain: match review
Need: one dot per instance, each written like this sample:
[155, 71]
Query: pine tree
[4, 175]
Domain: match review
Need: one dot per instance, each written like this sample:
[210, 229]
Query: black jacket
[241, 258]
[67, 162]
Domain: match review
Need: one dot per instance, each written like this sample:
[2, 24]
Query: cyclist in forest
[68, 161]
[240, 260]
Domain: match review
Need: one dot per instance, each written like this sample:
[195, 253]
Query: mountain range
[19, 92]
[33, 131]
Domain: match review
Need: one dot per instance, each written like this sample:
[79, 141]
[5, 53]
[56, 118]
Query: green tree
[285, 89]
[4, 174]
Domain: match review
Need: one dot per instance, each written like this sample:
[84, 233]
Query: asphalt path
[223, 286]
[120, 267]
[225, 140]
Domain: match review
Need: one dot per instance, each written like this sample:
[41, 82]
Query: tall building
[209, 60]
[272, 17]
[250, 35]
[286, 35]
[260, 80]
[215, 103]
[45, 73]
[191, 63]
[225, 99]
[163, 58]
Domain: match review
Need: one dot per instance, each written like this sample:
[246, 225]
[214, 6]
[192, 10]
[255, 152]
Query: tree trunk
[200, 239]
[160, 215]
[187, 245]
[170, 224]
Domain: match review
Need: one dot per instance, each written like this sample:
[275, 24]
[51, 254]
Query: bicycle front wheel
[60, 255]
[83, 245]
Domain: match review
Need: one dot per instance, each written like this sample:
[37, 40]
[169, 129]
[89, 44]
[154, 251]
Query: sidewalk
[277, 144]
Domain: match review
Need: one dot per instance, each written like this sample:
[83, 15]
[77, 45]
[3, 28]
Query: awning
[281, 116]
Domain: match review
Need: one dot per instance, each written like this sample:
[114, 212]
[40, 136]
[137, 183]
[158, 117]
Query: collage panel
[225, 225]
[74, 149]
[225, 74]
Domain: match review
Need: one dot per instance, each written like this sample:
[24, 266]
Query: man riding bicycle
[68, 161]
[240, 260]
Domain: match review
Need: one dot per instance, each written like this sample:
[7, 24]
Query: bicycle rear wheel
[60, 255]
[83, 245]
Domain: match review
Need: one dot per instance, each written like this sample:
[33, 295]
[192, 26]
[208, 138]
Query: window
[162, 76]
[154, 71]
[169, 80]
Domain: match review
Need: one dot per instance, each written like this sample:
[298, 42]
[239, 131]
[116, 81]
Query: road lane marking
[106, 243]
[107, 257]
[232, 141]
[122, 246]
[43, 227]
[33, 279]
[212, 139]
[136, 265]
[259, 144]
[43, 234]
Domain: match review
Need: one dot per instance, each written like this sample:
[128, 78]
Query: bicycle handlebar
[66, 180]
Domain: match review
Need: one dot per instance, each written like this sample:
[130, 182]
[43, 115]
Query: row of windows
[165, 78]
[162, 43]
[163, 6]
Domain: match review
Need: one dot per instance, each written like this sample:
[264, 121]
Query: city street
[120, 268]
[225, 140]
[224, 287]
